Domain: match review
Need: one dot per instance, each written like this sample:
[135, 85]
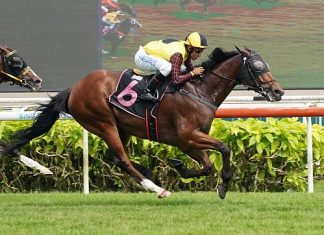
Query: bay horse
[14, 69]
[184, 117]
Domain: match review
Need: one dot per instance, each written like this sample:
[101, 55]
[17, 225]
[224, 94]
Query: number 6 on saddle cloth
[125, 97]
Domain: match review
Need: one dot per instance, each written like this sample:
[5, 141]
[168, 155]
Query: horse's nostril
[38, 81]
[279, 92]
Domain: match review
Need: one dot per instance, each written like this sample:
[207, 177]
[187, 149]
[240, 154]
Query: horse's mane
[216, 57]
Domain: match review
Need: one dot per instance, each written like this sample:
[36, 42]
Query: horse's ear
[247, 49]
[245, 52]
[238, 49]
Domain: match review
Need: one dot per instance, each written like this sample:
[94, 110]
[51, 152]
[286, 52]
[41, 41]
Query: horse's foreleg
[199, 156]
[202, 141]
[226, 171]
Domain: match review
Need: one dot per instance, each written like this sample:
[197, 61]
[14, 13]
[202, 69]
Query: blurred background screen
[58, 39]
[64, 40]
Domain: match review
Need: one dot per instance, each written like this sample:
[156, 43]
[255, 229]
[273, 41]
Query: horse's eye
[259, 65]
[16, 59]
[17, 62]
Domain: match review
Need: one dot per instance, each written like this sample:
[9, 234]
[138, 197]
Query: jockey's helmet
[196, 39]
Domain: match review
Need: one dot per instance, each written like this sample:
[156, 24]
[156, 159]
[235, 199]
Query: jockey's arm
[188, 64]
[178, 78]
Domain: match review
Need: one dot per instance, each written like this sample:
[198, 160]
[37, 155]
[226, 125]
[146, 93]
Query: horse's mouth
[32, 87]
[274, 95]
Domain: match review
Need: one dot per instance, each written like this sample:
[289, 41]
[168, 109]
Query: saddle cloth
[125, 97]
[129, 86]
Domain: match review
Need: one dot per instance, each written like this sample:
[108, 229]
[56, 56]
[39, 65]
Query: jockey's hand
[198, 70]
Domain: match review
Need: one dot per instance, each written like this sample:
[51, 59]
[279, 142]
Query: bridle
[247, 72]
[14, 74]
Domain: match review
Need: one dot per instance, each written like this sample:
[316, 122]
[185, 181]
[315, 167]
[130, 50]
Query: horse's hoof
[164, 193]
[221, 191]
[35, 165]
[44, 170]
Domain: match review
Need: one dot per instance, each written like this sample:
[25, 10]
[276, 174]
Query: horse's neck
[221, 81]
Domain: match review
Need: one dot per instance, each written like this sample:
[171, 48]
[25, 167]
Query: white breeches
[152, 64]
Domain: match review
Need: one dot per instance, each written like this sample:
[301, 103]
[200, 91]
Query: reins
[199, 98]
[259, 89]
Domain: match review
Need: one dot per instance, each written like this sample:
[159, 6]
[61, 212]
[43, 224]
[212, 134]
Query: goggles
[198, 50]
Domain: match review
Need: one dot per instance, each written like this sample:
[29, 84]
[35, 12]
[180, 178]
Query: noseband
[259, 88]
[7, 70]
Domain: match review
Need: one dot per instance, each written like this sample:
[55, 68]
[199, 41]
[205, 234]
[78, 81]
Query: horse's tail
[43, 122]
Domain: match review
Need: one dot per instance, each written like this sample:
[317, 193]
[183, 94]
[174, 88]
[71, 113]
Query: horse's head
[135, 24]
[256, 75]
[14, 69]
[127, 24]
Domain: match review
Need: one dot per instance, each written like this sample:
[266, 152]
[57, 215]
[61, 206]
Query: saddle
[132, 83]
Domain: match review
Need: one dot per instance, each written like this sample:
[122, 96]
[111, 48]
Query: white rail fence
[20, 105]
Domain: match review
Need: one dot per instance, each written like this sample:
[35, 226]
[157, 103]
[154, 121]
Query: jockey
[110, 20]
[170, 56]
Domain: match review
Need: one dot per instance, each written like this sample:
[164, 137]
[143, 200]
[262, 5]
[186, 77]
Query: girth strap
[199, 99]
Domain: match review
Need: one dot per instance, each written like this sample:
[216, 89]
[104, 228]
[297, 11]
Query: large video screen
[64, 40]
[288, 34]
[58, 39]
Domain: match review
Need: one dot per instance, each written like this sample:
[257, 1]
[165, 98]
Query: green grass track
[142, 213]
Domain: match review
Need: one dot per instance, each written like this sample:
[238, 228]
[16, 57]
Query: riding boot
[150, 89]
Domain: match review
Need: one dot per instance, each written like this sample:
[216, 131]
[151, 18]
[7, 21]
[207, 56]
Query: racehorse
[120, 32]
[14, 69]
[184, 118]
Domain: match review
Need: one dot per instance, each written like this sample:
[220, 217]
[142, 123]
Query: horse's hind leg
[117, 148]
[112, 157]
[27, 161]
